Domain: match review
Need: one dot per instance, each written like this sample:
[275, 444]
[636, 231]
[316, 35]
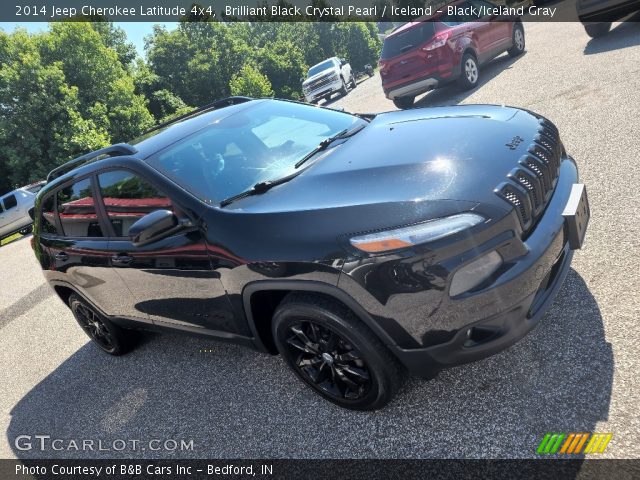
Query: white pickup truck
[326, 78]
[14, 210]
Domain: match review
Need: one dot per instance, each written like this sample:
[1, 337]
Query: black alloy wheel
[105, 334]
[329, 361]
[334, 353]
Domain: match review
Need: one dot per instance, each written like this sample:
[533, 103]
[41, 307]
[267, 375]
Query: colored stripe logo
[573, 443]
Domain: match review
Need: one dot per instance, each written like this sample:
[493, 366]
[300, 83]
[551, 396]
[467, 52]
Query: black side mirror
[155, 226]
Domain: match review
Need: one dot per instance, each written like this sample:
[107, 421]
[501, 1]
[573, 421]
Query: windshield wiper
[346, 133]
[259, 187]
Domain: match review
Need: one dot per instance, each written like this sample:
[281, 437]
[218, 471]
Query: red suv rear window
[407, 40]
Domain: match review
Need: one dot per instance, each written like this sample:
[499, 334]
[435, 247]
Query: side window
[127, 197]
[48, 222]
[77, 210]
[10, 202]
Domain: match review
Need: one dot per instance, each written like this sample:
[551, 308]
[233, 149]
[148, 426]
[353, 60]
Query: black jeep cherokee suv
[358, 247]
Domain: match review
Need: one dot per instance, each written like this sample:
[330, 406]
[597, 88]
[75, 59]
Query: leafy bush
[251, 82]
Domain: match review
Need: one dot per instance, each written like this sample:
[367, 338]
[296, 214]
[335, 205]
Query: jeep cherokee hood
[421, 155]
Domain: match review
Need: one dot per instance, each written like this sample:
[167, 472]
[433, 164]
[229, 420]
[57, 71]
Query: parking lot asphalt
[577, 372]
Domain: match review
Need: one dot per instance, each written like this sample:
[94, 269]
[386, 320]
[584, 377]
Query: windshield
[320, 68]
[258, 144]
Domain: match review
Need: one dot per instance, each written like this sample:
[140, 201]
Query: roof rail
[112, 151]
[224, 102]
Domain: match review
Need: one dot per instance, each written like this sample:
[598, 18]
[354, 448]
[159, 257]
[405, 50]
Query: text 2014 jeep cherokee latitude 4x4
[336, 240]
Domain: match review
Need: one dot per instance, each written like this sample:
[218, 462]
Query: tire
[469, 72]
[341, 359]
[403, 102]
[345, 89]
[354, 84]
[327, 97]
[105, 334]
[518, 41]
[27, 230]
[596, 30]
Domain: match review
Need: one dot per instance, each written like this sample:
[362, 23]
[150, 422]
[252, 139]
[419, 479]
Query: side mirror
[155, 226]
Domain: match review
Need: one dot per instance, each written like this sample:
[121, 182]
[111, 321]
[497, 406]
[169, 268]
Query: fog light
[475, 273]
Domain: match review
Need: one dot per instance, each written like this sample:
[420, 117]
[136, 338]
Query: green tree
[62, 93]
[357, 42]
[251, 82]
[40, 123]
[283, 64]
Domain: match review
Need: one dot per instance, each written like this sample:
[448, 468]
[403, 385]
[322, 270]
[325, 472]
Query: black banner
[312, 10]
[318, 469]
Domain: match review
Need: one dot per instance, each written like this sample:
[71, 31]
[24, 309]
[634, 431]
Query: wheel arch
[470, 50]
[260, 300]
[64, 292]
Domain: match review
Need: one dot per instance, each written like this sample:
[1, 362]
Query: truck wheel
[403, 102]
[470, 72]
[345, 89]
[330, 350]
[105, 334]
[595, 30]
[518, 41]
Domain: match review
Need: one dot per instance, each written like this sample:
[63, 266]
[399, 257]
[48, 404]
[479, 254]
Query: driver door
[171, 280]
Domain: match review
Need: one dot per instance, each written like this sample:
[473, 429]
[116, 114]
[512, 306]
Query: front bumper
[322, 91]
[428, 330]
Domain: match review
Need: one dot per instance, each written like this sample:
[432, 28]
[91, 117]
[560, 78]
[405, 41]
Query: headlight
[474, 273]
[415, 234]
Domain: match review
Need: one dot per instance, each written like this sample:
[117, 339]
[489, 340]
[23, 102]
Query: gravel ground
[576, 372]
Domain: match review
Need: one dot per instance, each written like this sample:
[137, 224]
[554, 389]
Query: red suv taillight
[384, 67]
[437, 42]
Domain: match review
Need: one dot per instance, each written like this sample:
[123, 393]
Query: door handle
[121, 259]
[63, 257]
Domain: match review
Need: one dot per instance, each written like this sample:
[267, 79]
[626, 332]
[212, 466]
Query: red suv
[452, 45]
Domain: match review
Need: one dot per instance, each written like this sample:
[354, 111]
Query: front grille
[316, 84]
[530, 185]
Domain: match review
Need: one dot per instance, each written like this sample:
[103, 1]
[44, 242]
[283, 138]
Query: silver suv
[14, 210]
